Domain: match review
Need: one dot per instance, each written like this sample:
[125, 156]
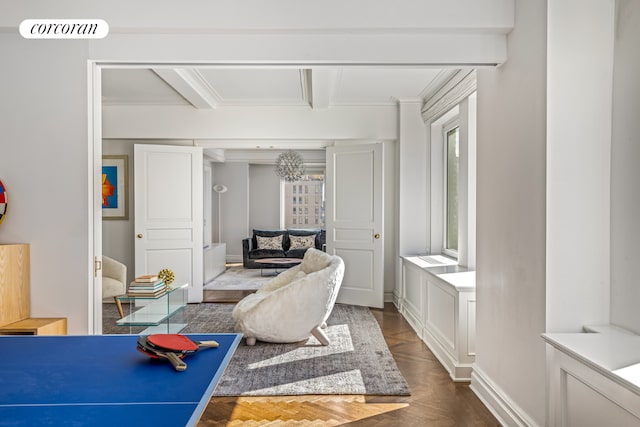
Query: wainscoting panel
[441, 313]
[471, 327]
[582, 390]
[439, 303]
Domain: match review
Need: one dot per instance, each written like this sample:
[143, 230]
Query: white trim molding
[497, 401]
[459, 87]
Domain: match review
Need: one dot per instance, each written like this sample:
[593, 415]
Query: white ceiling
[317, 88]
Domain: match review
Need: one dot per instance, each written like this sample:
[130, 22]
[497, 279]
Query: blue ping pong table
[102, 380]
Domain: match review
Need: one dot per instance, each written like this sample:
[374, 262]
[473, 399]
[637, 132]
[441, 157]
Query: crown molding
[459, 87]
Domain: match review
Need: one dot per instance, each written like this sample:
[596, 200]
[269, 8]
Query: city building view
[304, 202]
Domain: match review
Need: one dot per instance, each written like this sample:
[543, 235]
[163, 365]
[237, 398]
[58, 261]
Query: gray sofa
[251, 252]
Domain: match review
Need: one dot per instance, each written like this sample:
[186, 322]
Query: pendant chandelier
[290, 166]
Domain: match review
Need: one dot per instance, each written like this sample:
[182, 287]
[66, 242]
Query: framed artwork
[4, 200]
[115, 178]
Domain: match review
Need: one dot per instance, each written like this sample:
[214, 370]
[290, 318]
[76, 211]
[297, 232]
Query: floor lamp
[219, 188]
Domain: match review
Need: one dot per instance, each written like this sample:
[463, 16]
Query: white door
[354, 216]
[168, 213]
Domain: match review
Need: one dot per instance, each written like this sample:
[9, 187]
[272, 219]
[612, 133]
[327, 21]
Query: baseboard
[396, 299]
[413, 321]
[498, 403]
[389, 296]
[459, 372]
[234, 258]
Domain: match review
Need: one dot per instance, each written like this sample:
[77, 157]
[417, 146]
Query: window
[312, 208]
[451, 167]
[452, 183]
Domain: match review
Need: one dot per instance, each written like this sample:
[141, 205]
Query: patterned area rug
[357, 361]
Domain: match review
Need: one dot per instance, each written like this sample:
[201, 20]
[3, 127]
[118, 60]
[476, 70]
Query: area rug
[357, 361]
[238, 279]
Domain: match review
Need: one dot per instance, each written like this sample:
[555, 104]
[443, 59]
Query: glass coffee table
[161, 314]
[277, 263]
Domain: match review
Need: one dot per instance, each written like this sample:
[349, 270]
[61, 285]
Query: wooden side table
[36, 326]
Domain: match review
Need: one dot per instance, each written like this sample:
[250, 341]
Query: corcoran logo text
[64, 29]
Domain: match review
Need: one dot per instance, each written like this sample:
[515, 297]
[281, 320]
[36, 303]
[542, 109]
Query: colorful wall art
[114, 187]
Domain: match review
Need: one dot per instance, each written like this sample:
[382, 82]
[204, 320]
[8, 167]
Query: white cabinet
[439, 303]
[215, 259]
[593, 378]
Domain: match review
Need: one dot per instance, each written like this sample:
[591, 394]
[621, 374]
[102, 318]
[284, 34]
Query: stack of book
[146, 286]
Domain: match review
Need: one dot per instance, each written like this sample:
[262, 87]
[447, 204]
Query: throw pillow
[302, 242]
[274, 243]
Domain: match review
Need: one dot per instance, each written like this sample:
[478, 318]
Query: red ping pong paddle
[177, 343]
[144, 347]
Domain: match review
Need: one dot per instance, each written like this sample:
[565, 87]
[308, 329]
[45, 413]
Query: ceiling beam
[305, 84]
[191, 85]
[215, 155]
[265, 144]
[322, 83]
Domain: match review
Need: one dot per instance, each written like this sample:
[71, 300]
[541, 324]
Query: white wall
[235, 206]
[389, 148]
[43, 163]
[467, 184]
[625, 173]
[264, 198]
[579, 91]
[413, 180]
[468, 122]
[510, 256]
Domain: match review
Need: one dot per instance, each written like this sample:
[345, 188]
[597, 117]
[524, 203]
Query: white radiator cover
[214, 261]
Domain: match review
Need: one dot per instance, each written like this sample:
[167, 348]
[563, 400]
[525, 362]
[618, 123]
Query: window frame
[302, 216]
[453, 123]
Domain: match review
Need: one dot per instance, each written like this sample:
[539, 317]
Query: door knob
[139, 236]
[376, 236]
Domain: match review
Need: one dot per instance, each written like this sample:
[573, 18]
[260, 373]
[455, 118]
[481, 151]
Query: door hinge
[97, 266]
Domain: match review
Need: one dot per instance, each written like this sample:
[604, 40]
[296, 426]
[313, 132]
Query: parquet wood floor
[435, 400]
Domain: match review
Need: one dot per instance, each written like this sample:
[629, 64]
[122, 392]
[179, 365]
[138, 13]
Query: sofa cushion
[302, 242]
[267, 253]
[267, 233]
[316, 232]
[295, 253]
[271, 243]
